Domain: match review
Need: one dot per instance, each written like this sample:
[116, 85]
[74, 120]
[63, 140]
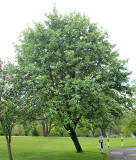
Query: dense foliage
[68, 69]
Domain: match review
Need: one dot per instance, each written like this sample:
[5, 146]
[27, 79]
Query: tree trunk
[25, 128]
[8, 139]
[103, 130]
[45, 129]
[74, 138]
[93, 132]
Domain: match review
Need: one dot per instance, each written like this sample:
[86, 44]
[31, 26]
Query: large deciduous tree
[71, 66]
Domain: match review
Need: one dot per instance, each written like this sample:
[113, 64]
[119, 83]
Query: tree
[9, 109]
[71, 65]
[25, 128]
[109, 112]
[47, 123]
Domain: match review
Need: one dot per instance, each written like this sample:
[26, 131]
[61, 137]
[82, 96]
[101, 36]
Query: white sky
[118, 17]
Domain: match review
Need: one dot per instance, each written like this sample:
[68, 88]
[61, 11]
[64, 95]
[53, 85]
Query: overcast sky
[118, 17]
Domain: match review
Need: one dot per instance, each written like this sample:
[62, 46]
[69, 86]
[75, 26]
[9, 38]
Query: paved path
[123, 154]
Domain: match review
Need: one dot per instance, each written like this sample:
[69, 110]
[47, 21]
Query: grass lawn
[58, 148]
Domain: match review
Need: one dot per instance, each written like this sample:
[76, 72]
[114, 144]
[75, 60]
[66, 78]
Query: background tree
[9, 106]
[107, 115]
[47, 123]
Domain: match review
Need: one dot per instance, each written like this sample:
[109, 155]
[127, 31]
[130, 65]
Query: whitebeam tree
[69, 64]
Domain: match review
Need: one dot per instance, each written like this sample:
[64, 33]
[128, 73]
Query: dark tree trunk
[74, 138]
[45, 129]
[8, 139]
[103, 130]
[25, 128]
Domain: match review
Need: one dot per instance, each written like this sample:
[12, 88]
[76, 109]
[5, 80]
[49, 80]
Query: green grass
[58, 148]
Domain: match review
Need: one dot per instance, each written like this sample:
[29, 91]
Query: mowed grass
[58, 148]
